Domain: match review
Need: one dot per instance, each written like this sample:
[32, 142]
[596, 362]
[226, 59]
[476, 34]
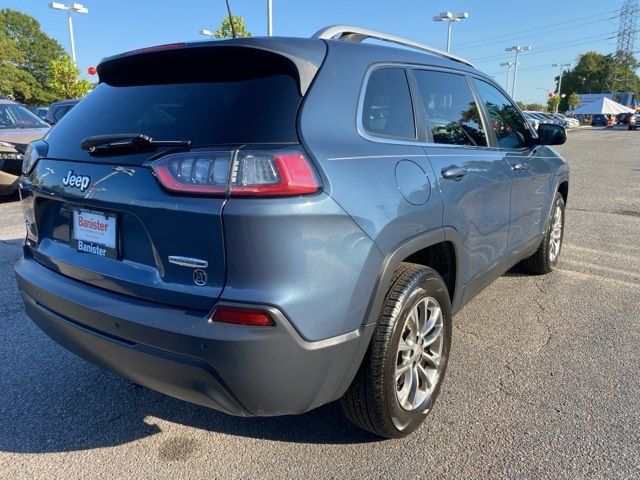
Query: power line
[508, 35]
[552, 47]
[626, 43]
[512, 40]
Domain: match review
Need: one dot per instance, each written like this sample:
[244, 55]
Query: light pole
[508, 65]
[450, 18]
[269, 18]
[518, 49]
[561, 65]
[72, 7]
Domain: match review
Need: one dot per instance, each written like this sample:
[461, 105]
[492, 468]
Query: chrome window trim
[363, 133]
[363, 90]
[534, 134]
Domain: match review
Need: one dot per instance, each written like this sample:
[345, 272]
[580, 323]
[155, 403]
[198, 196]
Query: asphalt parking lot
[543, 380]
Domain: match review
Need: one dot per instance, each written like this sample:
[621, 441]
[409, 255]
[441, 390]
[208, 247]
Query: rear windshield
[186, 99]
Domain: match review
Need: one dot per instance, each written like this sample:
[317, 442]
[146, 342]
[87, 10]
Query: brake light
[265, 174]
[242, 316]
[256, 173]
[204, 173]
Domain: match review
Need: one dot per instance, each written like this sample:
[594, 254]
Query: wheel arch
[438, 249]
[563, 188]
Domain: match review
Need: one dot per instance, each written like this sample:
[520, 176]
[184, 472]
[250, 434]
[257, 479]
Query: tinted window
[510, 127]
[387, 106]
[452, 113]
[243, 110]
[59, 112]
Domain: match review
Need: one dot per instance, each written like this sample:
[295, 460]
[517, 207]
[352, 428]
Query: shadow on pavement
[52, 401]
[9, 198]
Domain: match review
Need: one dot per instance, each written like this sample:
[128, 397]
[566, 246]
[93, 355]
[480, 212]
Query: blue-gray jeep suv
[266, 225]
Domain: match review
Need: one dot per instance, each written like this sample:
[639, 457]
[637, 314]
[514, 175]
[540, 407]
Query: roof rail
[348, 33]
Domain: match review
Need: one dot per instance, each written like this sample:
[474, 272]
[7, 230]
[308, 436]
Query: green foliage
[25, 58]
[552, 103]
[593, 71]
[535, 107]
[225, 28]
[573, 100]
[521, 105]
[64, 79]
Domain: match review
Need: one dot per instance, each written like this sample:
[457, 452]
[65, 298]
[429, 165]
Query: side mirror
[550, 134]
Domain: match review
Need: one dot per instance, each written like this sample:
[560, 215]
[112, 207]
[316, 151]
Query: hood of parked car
[21, 136]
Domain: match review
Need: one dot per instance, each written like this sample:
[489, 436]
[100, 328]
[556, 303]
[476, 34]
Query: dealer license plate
[95, 233]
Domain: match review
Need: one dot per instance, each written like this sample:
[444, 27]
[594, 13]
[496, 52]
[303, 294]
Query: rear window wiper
[127, 141]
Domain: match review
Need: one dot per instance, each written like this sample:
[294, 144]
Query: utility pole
[625, 48]
[518, 49]
[71, 8]
[508, 65]
[450, 18]
[561, 65]
[269, 18]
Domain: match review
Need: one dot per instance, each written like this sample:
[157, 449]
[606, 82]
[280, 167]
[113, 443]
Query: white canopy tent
[602, 105]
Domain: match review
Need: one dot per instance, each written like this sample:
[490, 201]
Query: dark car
[41, 111]
[18, 127]
[623, 118]
[599, 119]
[58, 110]
[295, 228]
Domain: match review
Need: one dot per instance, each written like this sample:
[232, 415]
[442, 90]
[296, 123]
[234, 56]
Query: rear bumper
[239, 370]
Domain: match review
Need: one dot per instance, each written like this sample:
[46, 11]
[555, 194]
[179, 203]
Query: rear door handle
[519, 166]
[454, 173]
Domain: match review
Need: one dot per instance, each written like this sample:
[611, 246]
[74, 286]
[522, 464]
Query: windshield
[13, 115]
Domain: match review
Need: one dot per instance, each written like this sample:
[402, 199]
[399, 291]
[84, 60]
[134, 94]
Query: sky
[556, 30]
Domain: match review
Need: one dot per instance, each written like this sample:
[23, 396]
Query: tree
[553, 103]
[593, 72]
[225, 28]
[14, 82]
[573, 100]
[535, 107]
[22, 34]
[64, 79]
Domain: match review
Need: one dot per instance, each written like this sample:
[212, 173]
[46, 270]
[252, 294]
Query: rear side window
[509, 126]
[452, 113]
[209, 96]
[387, 108]
[59, 112]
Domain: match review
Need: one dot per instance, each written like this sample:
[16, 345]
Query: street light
[561, 65]
[508, 65]
[518, 49]
[269, 18]
[450, 18]
[72, 7]
[206, 33]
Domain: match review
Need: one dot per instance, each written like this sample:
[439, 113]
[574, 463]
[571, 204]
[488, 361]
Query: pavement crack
[466, 332]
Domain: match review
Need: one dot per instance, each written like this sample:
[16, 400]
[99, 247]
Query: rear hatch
[104, 218]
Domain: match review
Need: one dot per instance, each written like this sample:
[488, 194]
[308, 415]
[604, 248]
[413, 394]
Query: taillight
[265, 174]
[242, 316]
[256, 173]
[204, 173]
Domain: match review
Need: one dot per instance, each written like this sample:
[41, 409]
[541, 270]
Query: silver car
[18, 127]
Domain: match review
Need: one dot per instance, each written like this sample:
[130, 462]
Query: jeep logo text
[76, 181]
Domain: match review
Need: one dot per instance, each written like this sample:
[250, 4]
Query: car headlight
[31, 157]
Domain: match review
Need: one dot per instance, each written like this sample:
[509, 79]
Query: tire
[373, 401]
[545, 259]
